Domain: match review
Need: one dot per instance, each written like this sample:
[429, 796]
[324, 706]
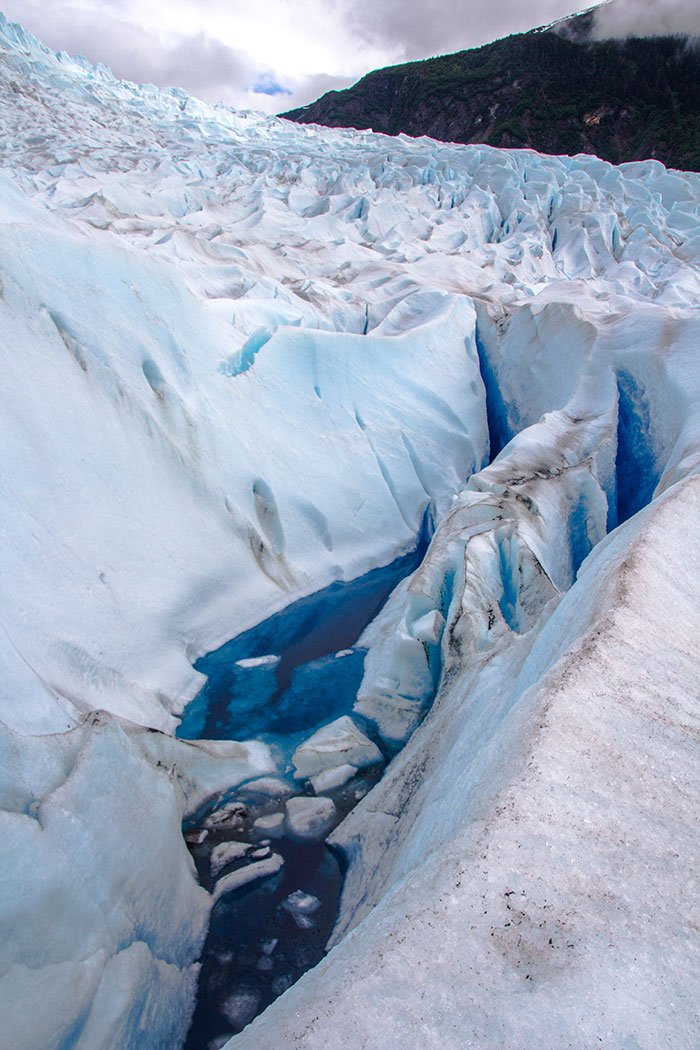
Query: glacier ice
[226, 852]
[310, 678]
[258, 869]
[340, 743]
[311, 818]
[335, 777]
[532, 884]
[244, 361]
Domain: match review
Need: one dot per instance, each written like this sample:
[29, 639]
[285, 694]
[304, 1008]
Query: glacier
[245, 361]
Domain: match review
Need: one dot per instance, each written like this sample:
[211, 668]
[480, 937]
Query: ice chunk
[338, 743]
[196, 837]
[261, 869]
[273, 787]
[311, 818]
[262, 851]
[225, 853]
[398, 681]
[258, 661]
[302, 903]
[218, 1042]
[332, 778]
[395, 716]
[241, 1007]
[301, 906]
[231, 817]
[270, 824]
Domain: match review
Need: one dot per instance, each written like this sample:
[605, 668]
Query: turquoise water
[308, 685]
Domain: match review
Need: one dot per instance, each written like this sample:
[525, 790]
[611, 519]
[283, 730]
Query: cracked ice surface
[241, 358]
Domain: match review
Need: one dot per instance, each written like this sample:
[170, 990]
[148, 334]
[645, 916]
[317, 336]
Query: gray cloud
[206, 67]
[202, 64]
[124, 47]
[419, 30]
[622, 18]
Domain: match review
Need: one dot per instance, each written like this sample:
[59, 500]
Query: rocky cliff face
[556, 91]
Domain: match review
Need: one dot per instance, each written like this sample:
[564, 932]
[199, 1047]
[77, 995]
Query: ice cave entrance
[260, 848]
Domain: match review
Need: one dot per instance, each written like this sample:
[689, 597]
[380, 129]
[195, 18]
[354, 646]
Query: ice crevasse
[241, 360]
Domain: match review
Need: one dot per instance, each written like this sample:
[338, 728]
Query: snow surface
[240, 358]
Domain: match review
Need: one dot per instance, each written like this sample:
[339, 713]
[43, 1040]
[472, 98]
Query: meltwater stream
[260, 848]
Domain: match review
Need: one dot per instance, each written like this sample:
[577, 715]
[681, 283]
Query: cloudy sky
[277, 54]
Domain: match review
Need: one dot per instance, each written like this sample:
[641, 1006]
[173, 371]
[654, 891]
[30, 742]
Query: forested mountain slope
[622, 100]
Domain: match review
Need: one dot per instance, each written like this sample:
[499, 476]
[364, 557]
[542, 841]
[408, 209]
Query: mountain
[351, 593]
[556, 91]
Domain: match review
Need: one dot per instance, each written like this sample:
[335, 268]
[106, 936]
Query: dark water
[264, 935]
[257, 946]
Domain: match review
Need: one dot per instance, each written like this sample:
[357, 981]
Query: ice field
[251, 371]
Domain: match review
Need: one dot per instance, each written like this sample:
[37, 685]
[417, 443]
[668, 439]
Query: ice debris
[338, 743]
[310, 818]
[334, 777]
[259, 869]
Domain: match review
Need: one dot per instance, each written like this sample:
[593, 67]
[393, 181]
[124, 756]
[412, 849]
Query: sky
[274, 55]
